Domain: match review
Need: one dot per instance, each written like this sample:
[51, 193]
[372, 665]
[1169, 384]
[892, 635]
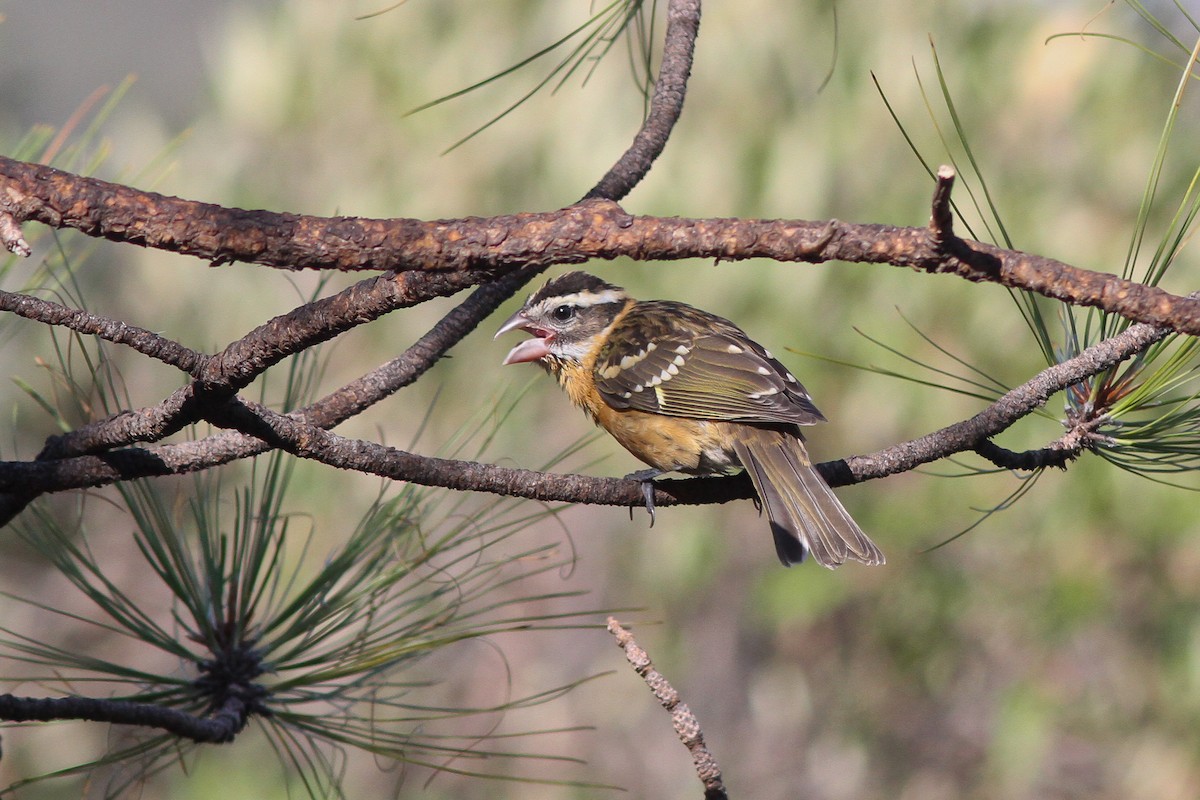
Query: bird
[687, 391]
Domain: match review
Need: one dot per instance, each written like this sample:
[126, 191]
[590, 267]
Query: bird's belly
[671, 444]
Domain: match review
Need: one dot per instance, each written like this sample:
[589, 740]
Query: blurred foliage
[1053, 652]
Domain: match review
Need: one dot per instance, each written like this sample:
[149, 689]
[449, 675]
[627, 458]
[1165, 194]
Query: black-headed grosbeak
[687, 391]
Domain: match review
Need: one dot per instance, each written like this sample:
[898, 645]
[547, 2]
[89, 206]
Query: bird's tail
[805, 515]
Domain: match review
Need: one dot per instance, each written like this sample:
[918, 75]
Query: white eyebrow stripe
[586, 299]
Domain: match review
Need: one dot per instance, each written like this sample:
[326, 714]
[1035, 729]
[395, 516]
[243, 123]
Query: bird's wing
[669, 358]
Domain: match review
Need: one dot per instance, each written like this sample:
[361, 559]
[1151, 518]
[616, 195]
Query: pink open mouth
[528, 350]
[533, 349]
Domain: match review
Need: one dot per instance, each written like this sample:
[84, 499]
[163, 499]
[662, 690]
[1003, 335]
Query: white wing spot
[683, 350]
[611, 371]
[677, 361]
[629, 361]
[763, 393]
[791, 378]
[764, 371]
[733, 348]
[638, 388]
[673, 368]
[626, 395]
[767, 353]
[650, 348]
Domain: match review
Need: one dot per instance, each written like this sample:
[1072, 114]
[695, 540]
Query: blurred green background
[1053, 652]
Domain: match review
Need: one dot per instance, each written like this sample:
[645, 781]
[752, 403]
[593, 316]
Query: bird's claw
[646, 478]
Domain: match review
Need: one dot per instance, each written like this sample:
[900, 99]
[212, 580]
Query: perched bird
[687, 391]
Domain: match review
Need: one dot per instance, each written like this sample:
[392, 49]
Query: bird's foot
[646, 477]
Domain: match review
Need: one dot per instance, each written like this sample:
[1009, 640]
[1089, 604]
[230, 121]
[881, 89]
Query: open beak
[529, 350]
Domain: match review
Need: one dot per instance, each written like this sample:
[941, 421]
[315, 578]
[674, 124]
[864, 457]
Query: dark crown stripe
[572, 283]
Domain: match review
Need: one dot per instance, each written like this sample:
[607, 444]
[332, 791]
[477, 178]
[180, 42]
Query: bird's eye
[563, 313]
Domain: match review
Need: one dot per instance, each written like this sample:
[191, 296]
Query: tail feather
[805, 514]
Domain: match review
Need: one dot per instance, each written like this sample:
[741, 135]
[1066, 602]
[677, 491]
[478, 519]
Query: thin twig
[145, 342]
[1057, 454]
[941, 220]
[321, 320]
[222, 725]
[670, 90]
[687, 727]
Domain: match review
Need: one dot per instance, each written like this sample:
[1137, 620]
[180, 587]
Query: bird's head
[564, 318]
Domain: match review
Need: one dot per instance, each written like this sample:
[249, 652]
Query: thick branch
[180, 409]
[595, 229]
[24, 479]
[34, 192]
[670, 90]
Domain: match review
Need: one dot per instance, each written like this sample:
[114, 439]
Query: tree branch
[592, 229]
[219, 377]
[1058, 454]
[670, 90]
[155, 423]
[1012, 406]
[21, 479]
[941, 221]
[595, 229]
[145, 342]
[687, 727]
[313, 323]
[222, 725]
